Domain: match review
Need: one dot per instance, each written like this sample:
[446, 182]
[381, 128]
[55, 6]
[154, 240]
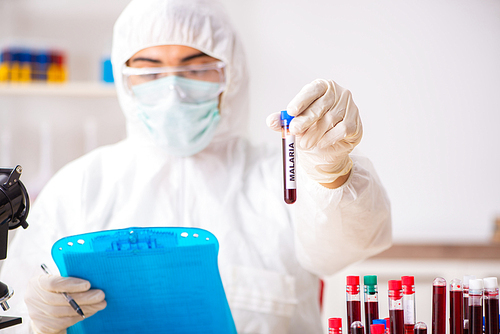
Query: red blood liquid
[353, 312]
[475, 319]
[456, 315]
[358, 330]
[290, 195]
[420, 330]
[439, 310]
[397, 321]
[409, 328]
[371, 313]
[491, 321]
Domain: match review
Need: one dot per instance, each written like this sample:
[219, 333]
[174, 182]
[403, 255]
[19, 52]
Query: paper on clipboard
[156, 280]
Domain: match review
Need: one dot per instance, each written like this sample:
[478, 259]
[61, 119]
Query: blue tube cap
[379, 322]
[285, 116]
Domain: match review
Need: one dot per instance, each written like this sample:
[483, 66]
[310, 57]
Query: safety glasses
[148, 84]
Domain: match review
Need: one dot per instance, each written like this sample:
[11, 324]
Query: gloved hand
[327, 128]
[48, 309]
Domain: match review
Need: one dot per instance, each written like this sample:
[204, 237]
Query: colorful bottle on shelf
[409, 308]
[491, 305]
[353, 300]
[370, 300]
[439, 306]
[456, 307]
[40, 64]
[396, 315]
[24, 66]
[56, 71]
[476, 306]
[5, 61]
[335, 326]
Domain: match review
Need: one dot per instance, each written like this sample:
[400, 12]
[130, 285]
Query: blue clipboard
[156, 280]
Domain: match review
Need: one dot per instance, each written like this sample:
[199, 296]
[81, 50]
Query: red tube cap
[408, 284]
[335, 323]
[395, 284]
[377, 329]
[352, 280]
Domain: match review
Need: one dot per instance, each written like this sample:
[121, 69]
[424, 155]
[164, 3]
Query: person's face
[169, 55]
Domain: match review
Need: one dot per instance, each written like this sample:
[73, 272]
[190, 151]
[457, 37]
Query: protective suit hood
[200, 24]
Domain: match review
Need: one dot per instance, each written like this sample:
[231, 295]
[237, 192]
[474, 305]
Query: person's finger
[63, 311]
[63, 316]
[307, 95]
[63, 284]
[273, 121]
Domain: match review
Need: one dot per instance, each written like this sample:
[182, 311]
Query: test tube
[377, 329]
[476, 306]
[353, 300]
[465, 284]
[456, 307]
[380, 322]
[491, 305]
[420, 328]
[357, 328]
[396, 307]
[289, 176]
[408, 283]
[335, 326]
[371, 300]
[387, 325]
[439, 306]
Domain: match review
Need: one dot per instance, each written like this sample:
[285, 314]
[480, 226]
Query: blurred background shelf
[486, 251]
[67, 89]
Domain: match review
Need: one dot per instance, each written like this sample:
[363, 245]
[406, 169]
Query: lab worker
[182, 83]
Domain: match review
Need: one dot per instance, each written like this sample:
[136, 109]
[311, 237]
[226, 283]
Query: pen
[70, 300]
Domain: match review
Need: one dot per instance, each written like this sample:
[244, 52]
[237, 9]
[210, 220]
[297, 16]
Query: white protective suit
[271, 253]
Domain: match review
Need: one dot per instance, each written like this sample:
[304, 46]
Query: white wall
[425, 75]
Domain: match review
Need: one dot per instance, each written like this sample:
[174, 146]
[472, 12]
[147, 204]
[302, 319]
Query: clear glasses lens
[139, 79]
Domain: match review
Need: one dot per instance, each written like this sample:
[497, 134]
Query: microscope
[14, 208]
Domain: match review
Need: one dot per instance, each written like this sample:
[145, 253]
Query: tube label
[289, 158]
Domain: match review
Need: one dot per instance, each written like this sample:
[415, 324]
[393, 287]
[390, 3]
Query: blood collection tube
[439, 306]
[357, 328]
[476, 306]
[466, 325]
[289, 176]
[456, 307]
[409, 309]
[491, 305]
[420, 328]
[387, 325]
[465, 284]
[371, 300]
[396, 307]
[353, 300]
[381, 322]
[335, 326]
[377, 329]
